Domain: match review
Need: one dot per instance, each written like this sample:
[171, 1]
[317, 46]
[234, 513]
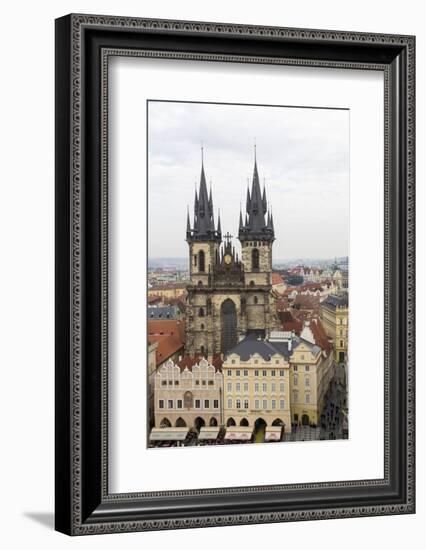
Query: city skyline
[311, 178]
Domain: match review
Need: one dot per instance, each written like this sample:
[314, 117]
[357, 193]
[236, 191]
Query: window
[195, 260]
[246, 404]
[161, 404]
[164, 382]
[237, 373]
[176, 382]
[201, 312]
[206, 403]
[197, 382]
[281, 373]
[238, 387]
[277, 361]
[170, 403]
[246, 373]
[256, 403]
[238, 403]
[204, 382]
[306, 368]
[179, 404]
[256, 387]
[273, 387]
[246, 386]
[273, 404]
[229, 403]
[307, 398]
[233, 361]
[302, 357]
[170, 382]
[264, 387]
[272, 373]
[197, 404]
[255, 300]
[256, 373]
[295, 380]
[295, 396]
[265, 404]
[211, 382]
[282, 404]
[229, 373]
[201, 261]
[255, 259]
[264, 373]
[282, 386]
[202, 326]
[215, 403]
[229, 386]
[307, 381]
[295, 368]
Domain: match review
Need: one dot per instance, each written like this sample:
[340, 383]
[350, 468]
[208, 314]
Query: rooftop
[267, 348]
[335, 301]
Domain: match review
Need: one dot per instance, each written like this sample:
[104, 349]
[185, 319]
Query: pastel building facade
[189, 397]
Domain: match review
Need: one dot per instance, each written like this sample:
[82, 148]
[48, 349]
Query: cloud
[303, 155]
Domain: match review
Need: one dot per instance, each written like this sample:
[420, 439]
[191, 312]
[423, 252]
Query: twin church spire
[204, 225]
[254, 227]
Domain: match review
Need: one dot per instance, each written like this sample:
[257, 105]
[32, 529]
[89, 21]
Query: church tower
[204, 240]
[228, 297]
[256, 235]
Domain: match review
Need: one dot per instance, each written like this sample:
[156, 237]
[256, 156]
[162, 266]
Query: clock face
[228, 259]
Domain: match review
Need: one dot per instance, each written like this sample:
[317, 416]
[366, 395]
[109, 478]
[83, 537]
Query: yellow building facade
[279, 381]
[256, 389]
[335, 319]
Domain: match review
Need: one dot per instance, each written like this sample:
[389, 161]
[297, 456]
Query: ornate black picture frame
[83, 46]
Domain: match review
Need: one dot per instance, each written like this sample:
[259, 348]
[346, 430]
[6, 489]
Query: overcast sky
[302, 154]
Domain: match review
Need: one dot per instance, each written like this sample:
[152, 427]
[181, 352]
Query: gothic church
[229, 297]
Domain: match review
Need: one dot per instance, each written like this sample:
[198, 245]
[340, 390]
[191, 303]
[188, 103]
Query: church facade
[229, 295]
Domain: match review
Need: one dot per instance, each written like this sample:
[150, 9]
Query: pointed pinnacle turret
[219, 227]
[264, 203]
[256, 227]
[204, 225]
[248, 199]
[188, 223]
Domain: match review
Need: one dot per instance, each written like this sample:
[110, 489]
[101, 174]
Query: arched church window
[200, 283]
[251, 283]
[201, 312]
[201, 261]
[255, 259]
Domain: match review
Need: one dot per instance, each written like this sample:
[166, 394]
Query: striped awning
[240, 433]
[168, 434]
[208, 433]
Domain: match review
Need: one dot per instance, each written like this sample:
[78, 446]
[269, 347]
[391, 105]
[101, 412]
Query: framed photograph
[234, 274]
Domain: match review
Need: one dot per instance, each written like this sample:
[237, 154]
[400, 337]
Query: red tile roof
[277, 279]
[170, 335]
[306, 302]
[320, 335]
[290, 323]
